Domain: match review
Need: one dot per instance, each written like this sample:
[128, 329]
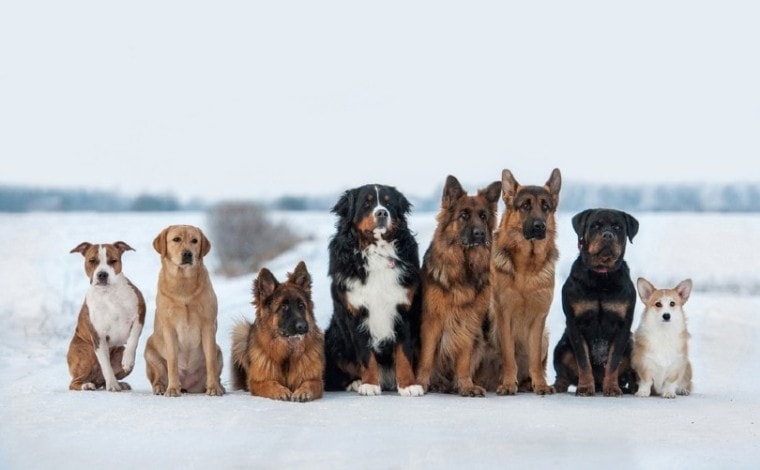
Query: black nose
[187, 257]
[607, 235]
[539, 226]
[478, 235]
[381, 213]
[302, 327]
[102, 276]
[666, 316]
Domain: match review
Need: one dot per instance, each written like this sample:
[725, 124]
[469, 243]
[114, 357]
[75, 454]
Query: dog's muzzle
[101, 278]
[187, 257]
[382, 218]
[534, 229]
[474, 237]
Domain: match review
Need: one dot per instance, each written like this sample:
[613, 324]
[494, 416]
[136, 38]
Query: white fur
[411, 391]
[369, 390]
[114, 315]
[381, 293]
[662, 363]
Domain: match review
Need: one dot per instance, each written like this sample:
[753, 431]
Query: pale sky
[258, 99]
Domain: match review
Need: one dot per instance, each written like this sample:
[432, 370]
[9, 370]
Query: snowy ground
[43, 425]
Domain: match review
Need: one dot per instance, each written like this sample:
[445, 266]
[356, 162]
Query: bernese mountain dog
[373, 334]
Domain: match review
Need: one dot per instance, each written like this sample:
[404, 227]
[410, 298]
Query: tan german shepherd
[522, 282]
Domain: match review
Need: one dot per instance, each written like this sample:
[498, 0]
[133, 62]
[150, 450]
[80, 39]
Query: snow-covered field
[43, 425]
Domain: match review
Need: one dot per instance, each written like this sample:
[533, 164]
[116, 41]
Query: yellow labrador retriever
[182, 355]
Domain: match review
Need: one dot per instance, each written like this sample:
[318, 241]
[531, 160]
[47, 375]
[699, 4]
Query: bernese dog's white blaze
[379, 231]
[381, 294]
[411, 391]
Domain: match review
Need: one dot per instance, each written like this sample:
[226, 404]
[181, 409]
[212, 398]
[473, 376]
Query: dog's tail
[239, 357]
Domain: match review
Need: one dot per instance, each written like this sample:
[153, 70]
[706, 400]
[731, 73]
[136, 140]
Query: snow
[43, 425]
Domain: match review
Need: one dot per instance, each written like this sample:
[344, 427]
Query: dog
[522, 275]
[281, 354]
[375, 275]
[660, 349]
[102, 351]
[456, 290]
[598, 299]
[182, 355]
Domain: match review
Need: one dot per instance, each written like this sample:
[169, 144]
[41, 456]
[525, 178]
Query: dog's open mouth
[292, 336]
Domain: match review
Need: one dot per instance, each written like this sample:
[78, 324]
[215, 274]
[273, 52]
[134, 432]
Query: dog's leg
[586, 385]
[173, 386]
[130, 350]
[684, 384]
[645, 384]
[370, 377]
[214, 362]
[270, 389]
[308, 390]
[506, 341]
[536, 355]
[117, 355]
[619, 351]
[404, 373]
[463, 366]
[155, 368]
[431, 331]
[104, 359]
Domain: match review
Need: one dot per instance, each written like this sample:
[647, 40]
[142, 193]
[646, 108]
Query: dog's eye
[672, 304]
[176, 239]
[111, 261]
[545, 207]
[464, 215]
[194, 240]
[284, 307]
[483, 216]
[658, 304]
[92, 261]
[525, 206]
[616, 227]
[301, 306]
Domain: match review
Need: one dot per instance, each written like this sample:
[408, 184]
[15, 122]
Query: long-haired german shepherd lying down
[281, 354]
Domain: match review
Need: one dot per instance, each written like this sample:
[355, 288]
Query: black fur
[348, 345]
[599, 283]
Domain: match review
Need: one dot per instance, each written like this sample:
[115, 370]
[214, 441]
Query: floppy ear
[508, 186]
[81, 248]
[264, 286]
[684, 289]
[645, 289]
[159, 243]
[631, 226]
[491, 192]
[205, 244]
[123, 246]
[301, 277]
[345, 204]
[403, 203]
[452, 191]
[553, 185]
[579, 222]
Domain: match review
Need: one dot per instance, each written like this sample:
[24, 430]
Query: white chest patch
[113, 310]
[381, 293]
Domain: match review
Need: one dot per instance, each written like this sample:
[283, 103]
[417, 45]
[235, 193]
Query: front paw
[643, 392]
[544, 389]
[472, 391]
[173, 392]
[127, 365]
[116, 387]
[585, 390]
[369, 390]
[411, 391]
[354, 386]
[214, 390]
[612, 390]
[507, 388]
[302, 395]
[280, 393]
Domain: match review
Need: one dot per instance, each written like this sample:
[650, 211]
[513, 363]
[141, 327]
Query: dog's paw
[89, 386]
[643, 392]
[369, 390]
[668, 394]
[114, 387]
[472, 391]
[613, 390]
[585, 391]
[302, 395]
[215, 390]
[354, 386]
[560, 387]
[281, 393]
[159, 389]
[125, 386]
[507, 389]
[173, 392]
[127, 365]
[411, 391]
[543, 390]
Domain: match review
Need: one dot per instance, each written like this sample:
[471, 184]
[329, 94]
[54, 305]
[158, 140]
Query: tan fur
[522, 279]
[456, 294]
[274, 366]
[182, 354]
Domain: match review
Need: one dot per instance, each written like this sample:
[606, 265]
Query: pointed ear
[508, 186]
[684, 289]
[205, 244]
[159, 243]
[554, 184]
[301, 277]
[645, 289]
[122, 246]
[345, 205]
[264, 286]
[579, 222]
[491, 192]
[452, 191]
[81, 248]
[631, 226]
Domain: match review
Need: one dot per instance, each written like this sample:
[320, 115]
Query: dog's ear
[684, 289]
[122, 246]
[205, 243]
[345, 205]
[645, 289]
[491, 192]
[553, 184]
[301, 277]
[264, 286]
[509, 187]
[631, 226]
[403, 203]
[81, 248]
[452, 191]
[159, 243]
[579, 222]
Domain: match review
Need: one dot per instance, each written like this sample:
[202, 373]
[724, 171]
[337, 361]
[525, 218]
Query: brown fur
[522, 276]
[182, 354]
[271, 365]
[456, 290]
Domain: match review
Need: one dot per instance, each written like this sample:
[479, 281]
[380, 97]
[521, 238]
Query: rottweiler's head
[602, 237]
[285, 308]
[534, 205]
[468, 219]
[373, 210]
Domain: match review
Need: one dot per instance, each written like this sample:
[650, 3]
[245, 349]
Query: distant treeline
[20, 199]
[739, 197]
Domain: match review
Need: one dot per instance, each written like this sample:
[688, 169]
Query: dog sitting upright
[103, 348]
[281, 354]
[660, 350]
[598, 299]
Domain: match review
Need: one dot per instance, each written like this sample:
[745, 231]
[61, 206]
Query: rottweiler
[598, 299]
